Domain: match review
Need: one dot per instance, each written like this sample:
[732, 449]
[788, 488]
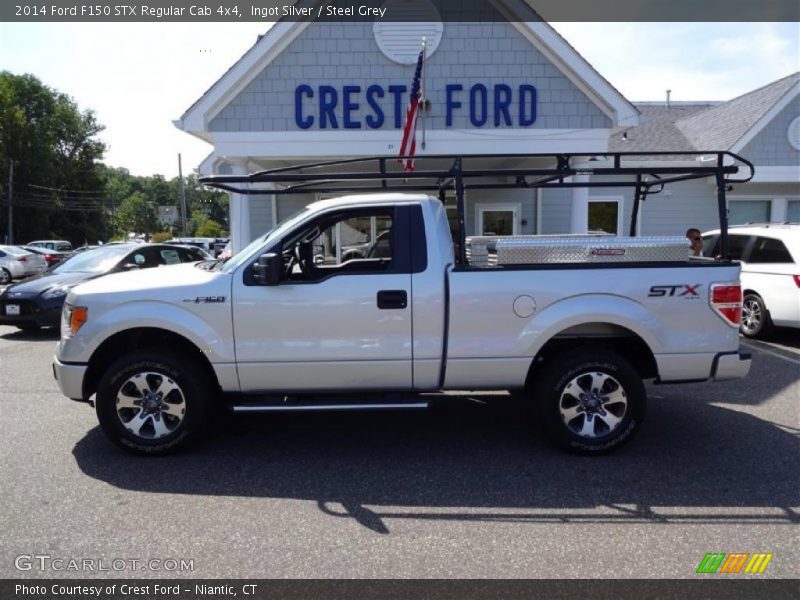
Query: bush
[160, 236]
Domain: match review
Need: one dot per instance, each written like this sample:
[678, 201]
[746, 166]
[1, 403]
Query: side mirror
[130, 267]
[267, 271]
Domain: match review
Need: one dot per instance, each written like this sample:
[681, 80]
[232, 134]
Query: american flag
[409, 144]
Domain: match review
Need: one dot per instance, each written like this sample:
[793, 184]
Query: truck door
[340, 318]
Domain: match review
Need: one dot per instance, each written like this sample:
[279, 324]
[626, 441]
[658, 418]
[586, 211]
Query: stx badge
[683, 289]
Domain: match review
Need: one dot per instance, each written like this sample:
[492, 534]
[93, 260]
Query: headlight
[72, 319]
[56, 292]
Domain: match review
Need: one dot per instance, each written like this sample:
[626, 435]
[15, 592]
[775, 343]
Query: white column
[779, 211]
[239, 209]
[579, 221]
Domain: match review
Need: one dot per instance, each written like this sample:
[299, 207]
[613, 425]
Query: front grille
[26, 307]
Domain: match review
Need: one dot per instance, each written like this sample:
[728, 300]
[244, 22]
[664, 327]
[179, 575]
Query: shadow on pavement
[471, 462]
[46, 334]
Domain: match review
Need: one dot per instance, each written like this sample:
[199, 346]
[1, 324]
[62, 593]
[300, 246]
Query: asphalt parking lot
[464, 490]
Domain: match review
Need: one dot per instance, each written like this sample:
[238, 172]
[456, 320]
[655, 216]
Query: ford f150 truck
[576, 323]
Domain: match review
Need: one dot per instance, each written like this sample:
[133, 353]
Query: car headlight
[56, 292]
[72, 319]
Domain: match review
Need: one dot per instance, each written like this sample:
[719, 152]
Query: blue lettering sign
[398, 91]
[451, 103]
[303, 123]
[350, 106]
[328, 100]
[478, 95]
[528, 91]
[502, 98]
[501, 101]
[375, 122]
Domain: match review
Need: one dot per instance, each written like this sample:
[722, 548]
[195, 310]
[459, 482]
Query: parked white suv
[770, 255]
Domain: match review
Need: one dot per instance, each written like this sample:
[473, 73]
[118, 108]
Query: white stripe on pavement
[758, 348]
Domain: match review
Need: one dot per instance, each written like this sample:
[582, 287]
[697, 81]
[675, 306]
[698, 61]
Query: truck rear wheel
[590, 402]
[151, 403]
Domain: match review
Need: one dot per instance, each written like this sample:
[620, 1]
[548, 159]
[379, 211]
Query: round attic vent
[794, 133]
[400, 39]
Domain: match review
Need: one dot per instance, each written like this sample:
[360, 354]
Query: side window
[147, 258]
[170, 256]
[711, 245]
[352, 242]
[736, 245]
[768, 250]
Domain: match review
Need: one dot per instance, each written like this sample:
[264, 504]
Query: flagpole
[424, 95]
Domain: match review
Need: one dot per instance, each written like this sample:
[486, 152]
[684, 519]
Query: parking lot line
[759, 347]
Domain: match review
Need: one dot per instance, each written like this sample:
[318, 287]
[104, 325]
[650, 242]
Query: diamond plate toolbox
[486, 251]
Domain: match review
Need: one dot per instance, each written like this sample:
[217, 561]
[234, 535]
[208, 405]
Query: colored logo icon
[734, 562]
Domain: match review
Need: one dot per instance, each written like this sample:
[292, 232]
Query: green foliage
[58, 185]
[136, 215]
[161, 236]
[209, 228]
[61, 188]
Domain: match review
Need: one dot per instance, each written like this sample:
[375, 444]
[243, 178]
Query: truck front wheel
[590, 402]
[151, 403]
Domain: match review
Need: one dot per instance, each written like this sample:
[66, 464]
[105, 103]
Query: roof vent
[400, 39]
[794, 133]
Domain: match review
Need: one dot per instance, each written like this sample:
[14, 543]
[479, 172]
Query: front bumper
[32, 311]
[730, 365]
[70, 379]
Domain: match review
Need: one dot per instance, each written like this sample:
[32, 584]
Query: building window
[749, 211]
[604, 215]
[793, 211]
[498, 219]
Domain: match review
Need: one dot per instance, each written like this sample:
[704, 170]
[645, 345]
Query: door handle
[389, 299]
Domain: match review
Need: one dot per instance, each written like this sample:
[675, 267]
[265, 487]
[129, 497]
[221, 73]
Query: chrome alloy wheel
[150, 405]
[752, 315]
[593, 404]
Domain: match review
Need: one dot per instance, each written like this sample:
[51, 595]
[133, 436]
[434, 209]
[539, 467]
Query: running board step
[254, 408]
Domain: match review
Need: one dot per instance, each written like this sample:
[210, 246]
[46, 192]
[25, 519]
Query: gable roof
[731, 124]
[658, 131]
[537, 32]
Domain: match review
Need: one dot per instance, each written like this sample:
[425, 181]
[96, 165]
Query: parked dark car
[37, 302]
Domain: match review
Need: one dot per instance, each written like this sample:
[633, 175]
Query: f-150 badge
[206, 299]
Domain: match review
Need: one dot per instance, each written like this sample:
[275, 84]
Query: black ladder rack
[440, 173]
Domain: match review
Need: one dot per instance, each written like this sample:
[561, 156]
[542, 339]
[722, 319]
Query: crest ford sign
[376, 106]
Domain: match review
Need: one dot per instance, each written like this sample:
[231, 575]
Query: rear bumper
[69, 378]
[730, 365]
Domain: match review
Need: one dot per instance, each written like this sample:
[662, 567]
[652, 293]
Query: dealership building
[315, 90]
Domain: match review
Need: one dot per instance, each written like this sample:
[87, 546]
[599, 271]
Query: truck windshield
[277, 231]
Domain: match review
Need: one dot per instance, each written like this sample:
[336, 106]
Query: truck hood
[171, 283]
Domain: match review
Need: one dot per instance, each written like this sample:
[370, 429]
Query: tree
[58, 185]
[209, 229]
[136, 214]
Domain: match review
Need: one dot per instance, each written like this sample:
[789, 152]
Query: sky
[139, 77]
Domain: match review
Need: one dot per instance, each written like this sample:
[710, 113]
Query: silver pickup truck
[576, 323]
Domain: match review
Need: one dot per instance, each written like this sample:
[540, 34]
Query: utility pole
[10, 200]
[146, 222]
[183, 196]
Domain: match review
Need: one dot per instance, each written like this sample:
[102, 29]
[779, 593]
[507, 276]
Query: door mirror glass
[267, 271]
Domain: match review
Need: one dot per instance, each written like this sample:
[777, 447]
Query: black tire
[5, 276]
[159, 432]
[756, 322]
[617, 408]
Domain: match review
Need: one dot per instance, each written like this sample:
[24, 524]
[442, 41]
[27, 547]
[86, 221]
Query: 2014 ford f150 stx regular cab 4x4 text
[576, 322]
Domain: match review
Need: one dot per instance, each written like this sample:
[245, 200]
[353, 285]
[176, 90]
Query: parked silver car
[16, 263]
